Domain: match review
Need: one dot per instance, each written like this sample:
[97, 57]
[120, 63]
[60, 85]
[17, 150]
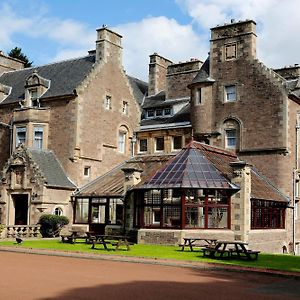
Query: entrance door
[21, 209]
[98, 215]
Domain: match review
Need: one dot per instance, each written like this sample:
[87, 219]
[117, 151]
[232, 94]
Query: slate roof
[189, 169]
[203, 74]
[64, 76]
[139, 87]
[112, 183]
[293, 86]
[182, 115]
[52, 170]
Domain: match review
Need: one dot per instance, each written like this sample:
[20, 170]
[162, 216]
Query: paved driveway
[28, 276]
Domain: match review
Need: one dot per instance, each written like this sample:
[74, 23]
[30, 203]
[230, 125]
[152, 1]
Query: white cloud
[162, 35]
[278, 22]
[69, 37]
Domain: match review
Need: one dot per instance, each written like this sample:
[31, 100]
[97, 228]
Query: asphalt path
[31, 276]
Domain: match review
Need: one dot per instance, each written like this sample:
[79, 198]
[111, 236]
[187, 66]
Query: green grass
[265, 261]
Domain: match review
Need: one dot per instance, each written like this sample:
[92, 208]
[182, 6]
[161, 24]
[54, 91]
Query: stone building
[63, 125]
[202, 191]
[165, 126]
[241, 105]
[237, 104]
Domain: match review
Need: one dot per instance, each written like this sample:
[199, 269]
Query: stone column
[240, 202]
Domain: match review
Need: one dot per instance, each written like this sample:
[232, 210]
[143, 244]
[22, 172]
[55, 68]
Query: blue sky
[52, 30]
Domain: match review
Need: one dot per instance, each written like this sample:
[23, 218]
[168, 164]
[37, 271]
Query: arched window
[122, 139]
[231, 134]
[58, 211]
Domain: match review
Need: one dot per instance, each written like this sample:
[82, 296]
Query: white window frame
[21, 129]
[152, 111]
[159, 115]
[38, 142]
[227, 137]
[122, 142]
[169, 113]
[230, 90]
[34, 98]
[87, 171]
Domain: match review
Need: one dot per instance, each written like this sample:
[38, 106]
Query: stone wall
[9, 64]
[175, 237]
[179, 76]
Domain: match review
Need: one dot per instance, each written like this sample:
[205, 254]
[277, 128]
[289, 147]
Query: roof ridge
[48, 64]
[216, 149]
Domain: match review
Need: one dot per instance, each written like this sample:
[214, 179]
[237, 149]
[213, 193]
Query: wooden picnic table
[115, 240]
[73, 235]
[197, 242]
[230, 249]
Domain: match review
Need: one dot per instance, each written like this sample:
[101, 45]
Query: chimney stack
[157, 73]
[108, 45]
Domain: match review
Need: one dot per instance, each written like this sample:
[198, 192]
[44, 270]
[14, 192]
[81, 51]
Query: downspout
[295, 175]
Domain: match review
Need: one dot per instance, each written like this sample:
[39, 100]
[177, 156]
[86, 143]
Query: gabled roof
[50, 167]
[44, 165]
[64, 77]
[189, 169]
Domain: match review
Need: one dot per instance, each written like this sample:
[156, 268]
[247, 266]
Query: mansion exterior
[206, 148]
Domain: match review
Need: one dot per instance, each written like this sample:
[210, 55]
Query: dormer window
[159, 112]
[167, 111]
[35, 87]
[150, 113]
[33, 97]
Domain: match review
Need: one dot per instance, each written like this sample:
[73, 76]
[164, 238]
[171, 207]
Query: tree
[18, 54]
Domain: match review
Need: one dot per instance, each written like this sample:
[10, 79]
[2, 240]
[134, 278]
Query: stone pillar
[240, 202]
[132, 177]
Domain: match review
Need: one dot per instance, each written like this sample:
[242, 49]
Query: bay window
[267, 214]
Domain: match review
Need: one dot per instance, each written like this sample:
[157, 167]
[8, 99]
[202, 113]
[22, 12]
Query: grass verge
[265, 261]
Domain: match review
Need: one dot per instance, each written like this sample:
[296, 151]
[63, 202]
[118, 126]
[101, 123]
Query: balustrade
[22, 231]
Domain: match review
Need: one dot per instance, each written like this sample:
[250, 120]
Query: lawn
[265, 261]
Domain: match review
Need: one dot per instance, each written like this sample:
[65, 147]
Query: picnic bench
[230, 249]
[196, 242]
[114, 240]
[75, 235]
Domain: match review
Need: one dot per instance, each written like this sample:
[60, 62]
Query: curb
[152, 261]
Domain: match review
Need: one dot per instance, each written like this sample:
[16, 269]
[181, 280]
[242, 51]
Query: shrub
[52, 224]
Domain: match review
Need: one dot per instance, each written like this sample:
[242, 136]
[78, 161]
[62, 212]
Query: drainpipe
[295, 176]
[133, 141]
